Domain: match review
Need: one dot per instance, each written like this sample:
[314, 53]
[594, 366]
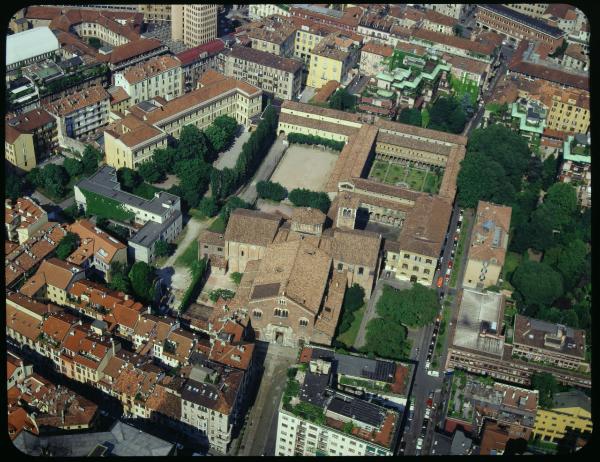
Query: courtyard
[407, 175]
[305, 166]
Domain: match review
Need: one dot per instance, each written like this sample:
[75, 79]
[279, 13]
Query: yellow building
[331, 59]
[571, 410]
[569, 111]
[18, 149]
[131, 141]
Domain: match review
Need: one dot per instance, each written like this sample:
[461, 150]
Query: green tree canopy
[232, 204]
[142, 277]
[414, 307]
[91, 158]
[537, 283]
[193, 144]
[446, 114]
[302, 197]
[165, 159]
[546, 385]
[221, 132]
[570, 261]
[208, 207]
[271, 190]
[194, 176]
[162, 248]
[386, 339]
[119, 277]
[151, 172]
[14, 186]
[342, 100]
[73, 167]
[222, 182]
[410, 116]
[128, 178]
[67, 245]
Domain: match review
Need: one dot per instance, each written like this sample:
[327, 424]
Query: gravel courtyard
[305, 167]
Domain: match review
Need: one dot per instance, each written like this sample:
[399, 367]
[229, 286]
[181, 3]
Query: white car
[427, 413]
[419, 443]
[427, 364]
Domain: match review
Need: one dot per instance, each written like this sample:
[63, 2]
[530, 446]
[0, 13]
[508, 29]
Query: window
[280, 313]
[257, 314]
[406, 255]
[303, 322]
[340, 266]
[360, 270]
[242, 253]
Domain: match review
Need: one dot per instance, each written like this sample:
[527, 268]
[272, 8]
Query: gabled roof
[53, 272]
[252, 227]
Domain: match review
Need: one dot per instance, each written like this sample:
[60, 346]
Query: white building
[30, 46]
[260, 10]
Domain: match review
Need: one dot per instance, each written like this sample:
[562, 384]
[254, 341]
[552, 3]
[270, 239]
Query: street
[259, 433]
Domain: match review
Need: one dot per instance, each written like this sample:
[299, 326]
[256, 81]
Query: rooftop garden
[367, 385]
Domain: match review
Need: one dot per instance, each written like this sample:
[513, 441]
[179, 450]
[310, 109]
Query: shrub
[271, 190]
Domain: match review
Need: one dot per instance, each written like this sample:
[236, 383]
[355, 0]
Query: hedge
[300, 138]
[105, 207]
[301, 197]
[193, 290]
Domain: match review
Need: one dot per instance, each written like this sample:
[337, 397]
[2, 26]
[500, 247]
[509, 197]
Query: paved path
[266, 169]
[230, 157]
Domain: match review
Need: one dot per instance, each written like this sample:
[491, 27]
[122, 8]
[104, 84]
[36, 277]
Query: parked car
[420, 444]
[440, 281]
[450, 264]
[448, 270]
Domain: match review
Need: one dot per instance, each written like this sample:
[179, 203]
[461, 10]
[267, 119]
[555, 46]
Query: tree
[193, 145]
[271, 190]
[458, 30]
[90, 159]
[537, 283]
[236, 277]
[480, 178]
[194, 178]
[447, 115]
[162, 248]
[386, 339]
[221, 132]
[414, 307]
[302, 197]
[53, 179]
[570, 261]
[232, 204]
[561, 199]
[119, 278]
[142, 277]
[225, 294]
[342, 100]
[151, 172]
[410, 116]
[549, 167]
[222, 182]
[67, 245]
[208, 207]
[165, 159]
[73, 167]
[546, 385]
[353, 300]
[13, 186]
[129, 179]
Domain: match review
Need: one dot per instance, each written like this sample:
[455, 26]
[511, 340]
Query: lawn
[462, 86]
[217, 226]
[415, 179]
[432, 183]
[462, 241]
[349, 337]
[189, 255]
[395, 174]
[378, 170]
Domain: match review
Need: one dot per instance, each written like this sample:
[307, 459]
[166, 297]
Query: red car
[440, 282]
[447, 277]
[450, 264]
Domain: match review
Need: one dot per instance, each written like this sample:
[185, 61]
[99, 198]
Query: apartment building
[155, 12]
[23, 219]
[211, 400]
[553, 344]
[535, 10]
[331, 59]
[194, 24]
[52, 280]
[129, 142]
[488, 244]
[260, 10]
[196, 61]
[569, 110]
[372, 57]
[340, 423]
[98, 250]
[347, 20]
[571, 410]
[30, 137]
[478, 345]
[281, 77]
[159, 76]
[81, 113]
[438, 22]
[273, 35]
[517, 26]
[160, 217]
[454, 10]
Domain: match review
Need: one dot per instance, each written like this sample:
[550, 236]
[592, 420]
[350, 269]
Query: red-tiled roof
[188, 56]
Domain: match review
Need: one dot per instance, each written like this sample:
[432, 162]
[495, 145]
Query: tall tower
[348, 205]
[194, 24]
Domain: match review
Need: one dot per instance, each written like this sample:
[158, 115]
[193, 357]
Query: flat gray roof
[150, 232]
[104, 182]
[477, 309]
